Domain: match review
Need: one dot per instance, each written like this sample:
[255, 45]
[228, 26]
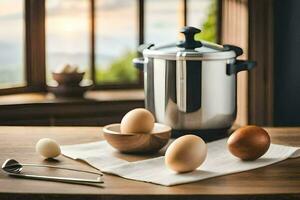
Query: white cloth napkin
[219, 162]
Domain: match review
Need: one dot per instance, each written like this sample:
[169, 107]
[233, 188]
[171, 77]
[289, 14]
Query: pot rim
[186, 56]
[221, 53]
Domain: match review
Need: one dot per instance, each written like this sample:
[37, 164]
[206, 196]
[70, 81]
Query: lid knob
[190, 42]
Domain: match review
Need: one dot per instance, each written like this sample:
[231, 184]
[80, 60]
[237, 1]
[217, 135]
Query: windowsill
[98, 108]
[90, 96]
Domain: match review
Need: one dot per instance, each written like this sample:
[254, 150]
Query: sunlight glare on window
[116, 41]
[67, 34]
[12, 63]
[163, 19]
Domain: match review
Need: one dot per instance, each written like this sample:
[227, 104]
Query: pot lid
[191, 49]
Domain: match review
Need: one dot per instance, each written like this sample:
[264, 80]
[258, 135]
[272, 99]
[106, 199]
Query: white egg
[186, 153]
[48, 148]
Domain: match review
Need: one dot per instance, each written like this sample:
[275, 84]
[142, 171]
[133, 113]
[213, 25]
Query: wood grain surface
[278, 181]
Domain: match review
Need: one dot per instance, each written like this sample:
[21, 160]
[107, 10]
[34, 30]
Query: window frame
[35, 46]
[34, 49]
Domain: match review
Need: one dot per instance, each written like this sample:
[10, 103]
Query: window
[206, 19]
[12, 70]
[116, 40]
[100, 36]
[163, 19]
[67, 34]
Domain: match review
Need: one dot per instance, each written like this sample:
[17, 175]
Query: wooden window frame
[34, 62]
[35, 51]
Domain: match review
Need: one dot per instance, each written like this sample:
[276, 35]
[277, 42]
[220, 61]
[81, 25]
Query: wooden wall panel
[261, 33]
[234, 30]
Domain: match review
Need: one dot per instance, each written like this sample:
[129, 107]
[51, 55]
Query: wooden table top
[281, 180]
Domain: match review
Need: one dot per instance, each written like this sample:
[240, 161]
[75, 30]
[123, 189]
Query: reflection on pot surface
[200, 97]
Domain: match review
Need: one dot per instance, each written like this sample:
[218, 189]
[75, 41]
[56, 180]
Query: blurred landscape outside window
[207, 21]
[116, 34]
[116, 41]
[163, 19]
[67, 35]
[12, 63]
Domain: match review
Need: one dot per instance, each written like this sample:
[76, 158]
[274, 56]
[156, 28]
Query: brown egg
[138, 120]
[186, 153]
[249, 142]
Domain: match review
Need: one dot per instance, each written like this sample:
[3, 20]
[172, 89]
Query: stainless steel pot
[192, 85]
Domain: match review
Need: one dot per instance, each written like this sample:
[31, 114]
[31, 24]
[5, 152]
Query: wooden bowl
[68, 78]
[139, 142]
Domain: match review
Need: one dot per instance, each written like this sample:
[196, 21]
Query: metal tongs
[14, 168]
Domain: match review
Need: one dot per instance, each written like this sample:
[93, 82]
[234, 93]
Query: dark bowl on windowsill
[68, 78]
[70, 90]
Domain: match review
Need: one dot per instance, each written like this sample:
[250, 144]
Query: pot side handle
[238, 51]
[239, 65]
[139, 63]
